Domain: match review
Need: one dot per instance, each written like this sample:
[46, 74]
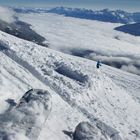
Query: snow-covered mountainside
[21, 30]
[49, 95]
[104, 15]
[108, 98]
[89, 39]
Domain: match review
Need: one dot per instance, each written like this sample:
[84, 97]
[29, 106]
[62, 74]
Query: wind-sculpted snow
[27, 118]
[96, 131]
[99, 98]
[75, 75]
[15, 80]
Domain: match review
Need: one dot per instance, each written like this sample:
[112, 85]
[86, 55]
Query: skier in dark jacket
[98, 64]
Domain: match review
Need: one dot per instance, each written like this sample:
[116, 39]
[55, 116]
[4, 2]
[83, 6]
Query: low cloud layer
[127, 63]
[6, 14]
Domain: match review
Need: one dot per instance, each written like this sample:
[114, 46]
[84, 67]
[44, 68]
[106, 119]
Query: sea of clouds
[127, 63]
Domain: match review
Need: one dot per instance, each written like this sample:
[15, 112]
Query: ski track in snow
[99, 97]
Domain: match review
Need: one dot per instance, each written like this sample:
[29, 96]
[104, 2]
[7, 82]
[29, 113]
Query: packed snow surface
[79, 92]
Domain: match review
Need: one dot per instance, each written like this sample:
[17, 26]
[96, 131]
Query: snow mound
[63, 69]
[27, 118]
[87, 131]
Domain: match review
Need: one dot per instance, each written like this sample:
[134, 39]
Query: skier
[98, 64]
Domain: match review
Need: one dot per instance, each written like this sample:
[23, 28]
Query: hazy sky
[128, 5]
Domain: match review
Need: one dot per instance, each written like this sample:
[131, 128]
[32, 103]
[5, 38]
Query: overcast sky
[128, 5]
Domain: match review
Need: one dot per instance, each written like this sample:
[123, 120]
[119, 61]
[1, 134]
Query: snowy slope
[79, 91]
[90, 39]
[16, 80]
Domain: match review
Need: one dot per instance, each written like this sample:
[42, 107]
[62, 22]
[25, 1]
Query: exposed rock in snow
[88, 131]
[22, 30]
[27, 117]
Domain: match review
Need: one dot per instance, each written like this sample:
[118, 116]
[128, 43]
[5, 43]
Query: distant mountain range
[104, 15]
[30, 10]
